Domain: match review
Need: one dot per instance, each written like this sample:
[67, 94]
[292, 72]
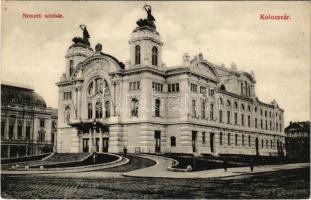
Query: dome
[15, 95]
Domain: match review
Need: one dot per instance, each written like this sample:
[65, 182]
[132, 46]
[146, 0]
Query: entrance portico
[93, 136]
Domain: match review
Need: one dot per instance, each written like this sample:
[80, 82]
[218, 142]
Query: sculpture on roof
[149, 21]
[85, 39]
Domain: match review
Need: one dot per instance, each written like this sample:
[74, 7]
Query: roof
[298, 126]
[16, 95]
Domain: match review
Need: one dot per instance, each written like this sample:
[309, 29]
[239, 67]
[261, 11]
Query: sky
[33, 50]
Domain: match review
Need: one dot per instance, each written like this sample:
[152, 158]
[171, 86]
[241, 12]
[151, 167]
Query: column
[90, 140]
[100, 140]
[24, 130]
[6, 131]
[15, 130]
[9, 150]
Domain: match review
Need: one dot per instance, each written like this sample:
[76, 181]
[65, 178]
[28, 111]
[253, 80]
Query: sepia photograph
[155, 99]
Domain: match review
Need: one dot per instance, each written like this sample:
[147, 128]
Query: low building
[297, 140]
[28, 127]
[147, 107]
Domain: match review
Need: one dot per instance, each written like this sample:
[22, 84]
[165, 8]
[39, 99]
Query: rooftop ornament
[149, 21]
[85, 40]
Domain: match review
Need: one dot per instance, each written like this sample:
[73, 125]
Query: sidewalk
[160, 170]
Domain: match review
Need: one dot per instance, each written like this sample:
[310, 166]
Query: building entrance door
[212, 135]
[85, 147]
[157, 136]
[194, 138]
[256, 145]
[105, 144]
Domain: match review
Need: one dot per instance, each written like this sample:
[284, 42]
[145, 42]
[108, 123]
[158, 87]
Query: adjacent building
[28, 127]
[298, 140]
[198, 106]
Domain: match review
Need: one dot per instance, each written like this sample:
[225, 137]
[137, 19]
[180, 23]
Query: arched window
[221, 101]
[99, 110]
[235, 105]
[242, 107]
[137, 54]
[90, 111]
[67, 114]
[157, 107]
[248, 108]
[134, 107]
[107, 109]
[154, 56]
[173, 141]
[228, 103]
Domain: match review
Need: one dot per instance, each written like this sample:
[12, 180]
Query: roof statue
[149, 21]
[85, 39]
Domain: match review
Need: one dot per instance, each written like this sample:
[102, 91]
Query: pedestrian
[124, 151]
[251, 164]
[225, 164]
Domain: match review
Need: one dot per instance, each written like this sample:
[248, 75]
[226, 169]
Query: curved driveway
[160, 170]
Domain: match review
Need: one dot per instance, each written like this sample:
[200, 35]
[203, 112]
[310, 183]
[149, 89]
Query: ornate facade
[28, 127]
[145, 106]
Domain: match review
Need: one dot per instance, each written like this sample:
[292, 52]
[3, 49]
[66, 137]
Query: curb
[71, 169]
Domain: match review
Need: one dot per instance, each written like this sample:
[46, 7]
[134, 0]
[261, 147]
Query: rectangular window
[235, 118]
[228, 117]
[255, 122]
[229, 142]
[194, 87]
[267, 144]
[261, 143]
[242, 140]
[236, 139]
[203, 138]
[194, 113]
[174, 87]
[202, 90]
[42, 123]
[157, 86]
[270, 126]
[261, 124]
[135, 85]
[67, 95]
[20, 131]
[203, 109]
[220, 138]
[249, 121]
[212, 112]
[28, 131]
[266, 125]
[249, 140]
[242, 120]
[220, 116]
[2, 128]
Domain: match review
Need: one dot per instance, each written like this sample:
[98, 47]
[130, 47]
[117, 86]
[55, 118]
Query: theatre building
[145, 106]
[28, 126]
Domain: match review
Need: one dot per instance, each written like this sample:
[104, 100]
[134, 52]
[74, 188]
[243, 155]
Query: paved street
[281, 184]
